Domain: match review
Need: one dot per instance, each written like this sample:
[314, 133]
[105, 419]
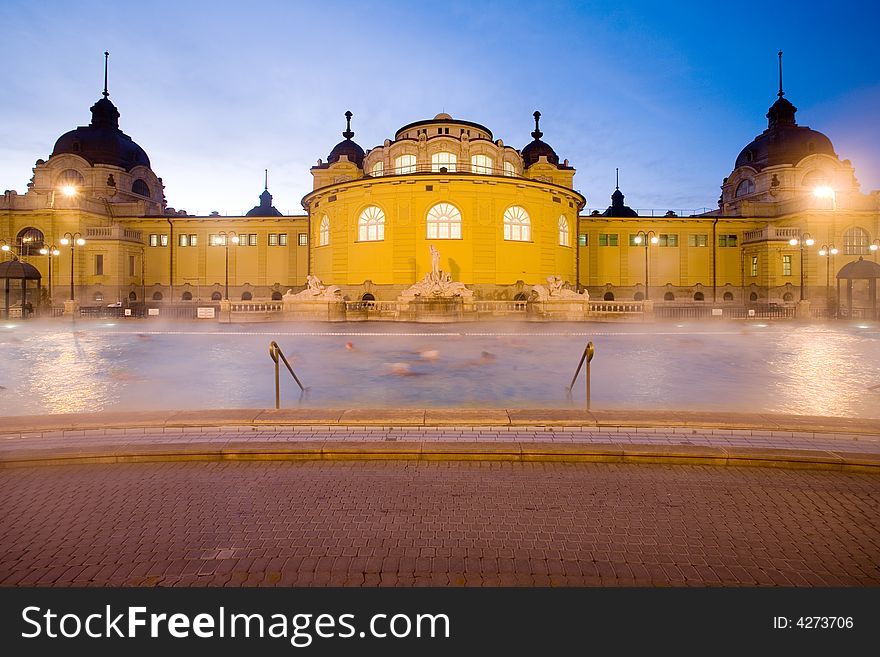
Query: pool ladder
[587, 356]
[274, 353]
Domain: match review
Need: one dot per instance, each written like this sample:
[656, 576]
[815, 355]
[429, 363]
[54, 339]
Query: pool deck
[669, 437]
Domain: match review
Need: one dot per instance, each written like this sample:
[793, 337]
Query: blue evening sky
[215, 92]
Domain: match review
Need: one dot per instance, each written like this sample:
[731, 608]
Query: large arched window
[443, 160]
[324, 231]
[747, 186]
[509, 169]
[405, 164]
[564, 238]
[855, 241]
[481, 164]
[378, 169]
[517, 224]
[371, 225]
[30, 241]
[444, 222]
[140, 188]
[815, 178]
[71, 177]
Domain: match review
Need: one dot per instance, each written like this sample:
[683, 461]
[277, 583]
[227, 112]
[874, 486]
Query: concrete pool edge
[604, 420]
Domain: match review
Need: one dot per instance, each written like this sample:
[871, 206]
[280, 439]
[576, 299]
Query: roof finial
[537, 134]
[106, 57]
[267, 180]
[617, 177]
[781, 92]
[348, 134]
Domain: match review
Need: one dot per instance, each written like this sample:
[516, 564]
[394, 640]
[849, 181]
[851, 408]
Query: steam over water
[831, 369]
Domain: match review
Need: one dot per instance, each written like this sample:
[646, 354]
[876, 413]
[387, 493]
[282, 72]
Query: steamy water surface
[55, 367]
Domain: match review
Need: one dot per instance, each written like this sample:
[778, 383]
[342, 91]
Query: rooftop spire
[106, 58]
[781, 92]
[348, 134]
[537, 134]
[266, 186]
[616, 177]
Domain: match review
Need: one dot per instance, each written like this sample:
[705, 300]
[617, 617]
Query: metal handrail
[587, 356]
[274, 353]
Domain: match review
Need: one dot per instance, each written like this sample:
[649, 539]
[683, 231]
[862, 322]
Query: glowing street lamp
[228, 237]
[823, 191]
[69, 190]
[51, 252]
[874, 247]
[646, 238]
[73, 240]
[802, 239]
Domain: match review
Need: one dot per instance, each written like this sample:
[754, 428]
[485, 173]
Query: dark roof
[617, 208]
[17, 269]
[861, 268]
[535, 149]
[440, 119]
[265, 208]
[350, 149]
[784, 141]
[102, 142]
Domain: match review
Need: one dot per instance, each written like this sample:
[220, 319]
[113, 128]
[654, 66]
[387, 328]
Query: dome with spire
[617, 207]
[265, 208]
[535, 149]
[784, 141]
[102, 142]
[347, 147]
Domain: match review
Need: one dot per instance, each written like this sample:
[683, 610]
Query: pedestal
[71, 308]
[802, 310]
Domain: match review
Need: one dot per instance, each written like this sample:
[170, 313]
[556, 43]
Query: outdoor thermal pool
[65, 367]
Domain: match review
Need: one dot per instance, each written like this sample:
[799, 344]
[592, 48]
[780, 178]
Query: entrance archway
[859, 274]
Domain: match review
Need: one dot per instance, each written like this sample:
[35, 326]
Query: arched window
[378, 169]
[71, 177]
[509, 169]
[638, 296]
[405, 164]
[246, 296]
[140, 188]
[669, 296]
[30, 241]
[728, 296]
[98, 296]
[157, 296]
[443, 160]
[855, 241]
[788, 296]
[132, 296]
[187, 296]
[564, 237]
[517, 224]
[324, 231]
[276, 296]
[753, 297]
[609, 296]
[367, 297]
[481, 164]
[444, 222]
[520, 296]
[216, 296]
[747, 186]
[815, 178]
[699, 296]
[371, 225]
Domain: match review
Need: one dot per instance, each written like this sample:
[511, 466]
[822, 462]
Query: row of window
[444, 161]
[218, 239]
[786, 265]
[663, 239]
[443, 222]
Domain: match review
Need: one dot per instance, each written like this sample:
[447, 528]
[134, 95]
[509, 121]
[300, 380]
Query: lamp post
[646, 238]
[51, 252]
[228, 237]
[829, 251]
[74, 240]
[802, 239]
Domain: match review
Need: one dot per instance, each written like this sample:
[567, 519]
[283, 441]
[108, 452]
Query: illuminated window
[700, 239]
[747, 186]
[163, 240]
[371, 225]
[667, 240]
[70, 177]
[563, 231]
[786, 265]
[509, 169]
[154, 240]
[378, 169]
[727, 240]
[30, 240]
[302, 239]
[140, 188]
[273, 239]
[282, 239]
[193, 240]
[607, 239]
[443, 160]
[480, 164]
[855, 241]
[517, 224]
[182, 240]
[324, 231]
[583, 240]
[405, 164]
[444, 222]
[754, 265]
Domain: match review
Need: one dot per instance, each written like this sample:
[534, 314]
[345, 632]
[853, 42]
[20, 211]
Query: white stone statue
[555, 291]
[435, 263]
[316, 290]
[437, 283]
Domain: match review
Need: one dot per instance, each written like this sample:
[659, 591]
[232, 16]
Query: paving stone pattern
[387, 523]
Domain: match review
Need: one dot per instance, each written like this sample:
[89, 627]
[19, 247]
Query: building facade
[790, 217]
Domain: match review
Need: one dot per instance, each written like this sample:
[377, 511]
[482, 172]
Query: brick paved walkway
[362, 523]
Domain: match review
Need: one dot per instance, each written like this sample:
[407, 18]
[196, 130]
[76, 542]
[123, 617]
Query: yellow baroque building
[791, 218]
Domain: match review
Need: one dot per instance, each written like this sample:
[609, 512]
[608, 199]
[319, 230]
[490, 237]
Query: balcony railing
[457, 167]
[771, 234]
